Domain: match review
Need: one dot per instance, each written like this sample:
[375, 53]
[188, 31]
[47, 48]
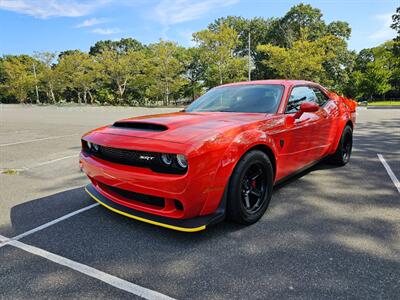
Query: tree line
[299, 45]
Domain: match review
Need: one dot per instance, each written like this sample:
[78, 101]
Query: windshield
[255, 98]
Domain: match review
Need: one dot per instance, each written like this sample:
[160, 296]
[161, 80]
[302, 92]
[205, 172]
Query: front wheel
[250, 188]
[343, 151]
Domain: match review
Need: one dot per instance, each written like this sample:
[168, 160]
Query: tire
[343, 151]
[250, 188]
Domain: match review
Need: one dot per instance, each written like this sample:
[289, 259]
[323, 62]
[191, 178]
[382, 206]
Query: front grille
[127, 157]
[132, 196]
[144, 159]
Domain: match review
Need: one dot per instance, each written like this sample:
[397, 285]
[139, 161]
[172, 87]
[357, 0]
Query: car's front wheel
[250, 188]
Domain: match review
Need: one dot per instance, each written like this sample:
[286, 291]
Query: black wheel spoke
[247, 201]
[256, 175]
[253, 188]
[255, 192]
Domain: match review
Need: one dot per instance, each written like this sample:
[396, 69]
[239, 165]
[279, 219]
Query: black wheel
[343, 151]
[250, 188]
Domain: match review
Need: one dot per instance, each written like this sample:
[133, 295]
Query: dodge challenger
[218, 158]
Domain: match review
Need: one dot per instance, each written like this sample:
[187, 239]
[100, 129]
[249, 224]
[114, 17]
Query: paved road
[329, 233]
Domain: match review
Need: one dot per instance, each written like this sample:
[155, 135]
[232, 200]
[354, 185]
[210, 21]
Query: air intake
[140, 126]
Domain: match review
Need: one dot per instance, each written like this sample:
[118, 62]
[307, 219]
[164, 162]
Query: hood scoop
[140, 126]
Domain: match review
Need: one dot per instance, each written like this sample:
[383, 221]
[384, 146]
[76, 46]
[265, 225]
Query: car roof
[285, 82]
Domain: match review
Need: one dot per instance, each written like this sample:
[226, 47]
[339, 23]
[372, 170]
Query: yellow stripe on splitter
[147, 220]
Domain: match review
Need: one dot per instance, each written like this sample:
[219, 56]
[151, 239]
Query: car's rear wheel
[343, 151]
[250, 188]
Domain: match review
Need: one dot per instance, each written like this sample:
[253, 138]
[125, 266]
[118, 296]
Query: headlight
[95, 147]
[182, 161]
[166, 159]
[89, 144]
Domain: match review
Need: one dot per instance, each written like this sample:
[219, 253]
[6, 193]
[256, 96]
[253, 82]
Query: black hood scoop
[140, 126]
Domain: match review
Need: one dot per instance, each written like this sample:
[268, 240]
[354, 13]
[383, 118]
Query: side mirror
[306, 107]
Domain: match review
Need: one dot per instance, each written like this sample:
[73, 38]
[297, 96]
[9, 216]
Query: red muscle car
[220, 157]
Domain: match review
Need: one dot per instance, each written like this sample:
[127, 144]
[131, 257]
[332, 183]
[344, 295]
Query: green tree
[79, 72]
[195, 69]
[121, 46]
[306, 59]
[376, 71]
[166, 70]
[119, 69]
[48, 79]
[218, 51]
[18, 80]
[396, 23]
[259, 30]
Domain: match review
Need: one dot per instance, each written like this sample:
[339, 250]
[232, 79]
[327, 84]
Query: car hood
[181, 127]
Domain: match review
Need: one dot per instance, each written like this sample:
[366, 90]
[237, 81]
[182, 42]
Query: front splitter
[186, 225]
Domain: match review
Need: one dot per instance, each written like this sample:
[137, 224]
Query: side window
[299, 95]
[322, 98]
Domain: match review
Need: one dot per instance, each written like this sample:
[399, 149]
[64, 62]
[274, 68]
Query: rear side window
[322, 98]
[299, 95]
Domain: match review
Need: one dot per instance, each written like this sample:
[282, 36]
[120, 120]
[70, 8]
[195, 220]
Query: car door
[330, 112]
[302, 138]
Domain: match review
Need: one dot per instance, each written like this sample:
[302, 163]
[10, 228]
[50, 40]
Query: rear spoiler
[351, 104]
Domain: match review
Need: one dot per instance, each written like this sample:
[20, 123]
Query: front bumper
[186, 225]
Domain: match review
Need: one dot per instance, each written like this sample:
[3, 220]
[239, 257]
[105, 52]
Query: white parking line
[53, 161]
[40, 164]
[390, 172]
[3, 239]
[41, 227]
[37, 140]
[92, 272]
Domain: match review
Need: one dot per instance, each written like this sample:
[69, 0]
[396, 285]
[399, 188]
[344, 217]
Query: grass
[9, 172]
[384, 103]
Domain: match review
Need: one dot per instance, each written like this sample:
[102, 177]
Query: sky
[57, 25]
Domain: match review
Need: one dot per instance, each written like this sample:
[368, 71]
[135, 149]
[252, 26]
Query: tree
[166, 71]
[396, 23]
[375, 70]
[260, 33]
[119, 69]
[18, 80]
[309, 60]
[218, 51]
[46, 75]
[79, 72]
[195, 69]
[121, 46]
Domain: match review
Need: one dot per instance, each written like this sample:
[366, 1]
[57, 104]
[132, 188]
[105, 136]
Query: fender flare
[234, 152]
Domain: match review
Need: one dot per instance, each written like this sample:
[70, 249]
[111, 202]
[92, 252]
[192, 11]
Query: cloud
[43, 9]
[170, 12]
[91, 22]
[384, 32]
[106, 31]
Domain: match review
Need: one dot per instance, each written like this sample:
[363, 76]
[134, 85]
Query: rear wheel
[343, 151]
[250, 188]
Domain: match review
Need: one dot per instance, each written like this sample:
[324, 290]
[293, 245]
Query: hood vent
[140, 126]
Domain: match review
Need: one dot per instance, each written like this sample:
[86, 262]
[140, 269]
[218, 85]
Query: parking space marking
[55, 221]
[3, 239]
[92, 272]
[37, 140]
[390, 172]
[53, 161]
[40, 164]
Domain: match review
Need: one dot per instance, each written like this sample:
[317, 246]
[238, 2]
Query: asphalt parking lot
[329, 233]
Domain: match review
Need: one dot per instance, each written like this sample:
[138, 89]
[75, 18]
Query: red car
[218, 158]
